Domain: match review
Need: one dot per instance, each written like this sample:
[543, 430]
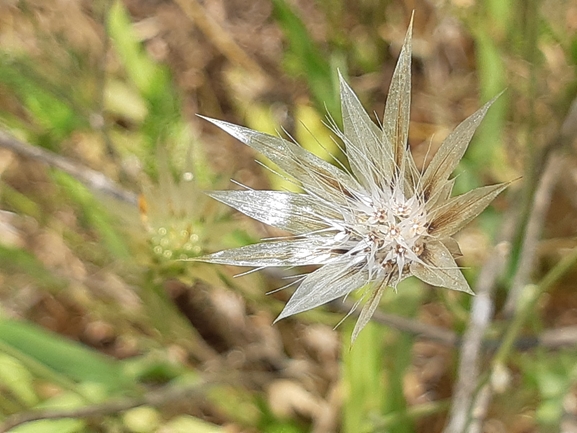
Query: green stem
[529, 302]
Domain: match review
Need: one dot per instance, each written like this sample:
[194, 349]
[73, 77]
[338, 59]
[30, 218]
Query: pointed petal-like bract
[315, 174]
[294, 252]
[453, 247]
[326, 284]
[440, 268]
[442, 194]
[368, 311]
[370, 157]
[398, 105]
[459, 211]
[295, 213]
[451, 151]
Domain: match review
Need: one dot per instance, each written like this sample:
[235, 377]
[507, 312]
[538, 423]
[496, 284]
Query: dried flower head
[371, 226]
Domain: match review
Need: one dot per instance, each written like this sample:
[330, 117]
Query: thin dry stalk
[533, 231]
[480, 318]
[461, 418]
[91, 178]
[541, 202]
[153, 398]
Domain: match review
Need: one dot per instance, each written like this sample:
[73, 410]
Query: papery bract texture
[368, 228]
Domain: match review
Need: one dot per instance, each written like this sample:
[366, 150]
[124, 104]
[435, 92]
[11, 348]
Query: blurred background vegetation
[102, 167]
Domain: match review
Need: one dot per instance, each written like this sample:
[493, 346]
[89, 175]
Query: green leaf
[54, 357]
[17, 380]
[49, 104]
[142, 71]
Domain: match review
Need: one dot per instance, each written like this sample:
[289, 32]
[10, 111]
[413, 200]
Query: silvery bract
[369, 227]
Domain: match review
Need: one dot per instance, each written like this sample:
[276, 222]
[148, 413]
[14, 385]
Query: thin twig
[518, 305]
[479, 408]
[559, 337]
[154, 398]
[413, 327]
[554, 338]
[550, 339]
[479, 320]
[524, 304]
[528, 302]
[567, 133]
[533, 231]
[91, 178]
[461, 412]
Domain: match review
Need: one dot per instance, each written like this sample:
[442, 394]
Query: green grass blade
[59, 358]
